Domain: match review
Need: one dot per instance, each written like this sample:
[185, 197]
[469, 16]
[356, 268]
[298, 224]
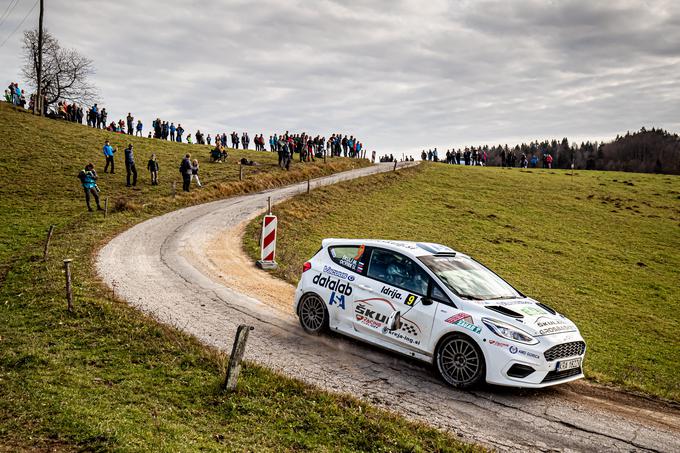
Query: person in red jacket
[549, 160]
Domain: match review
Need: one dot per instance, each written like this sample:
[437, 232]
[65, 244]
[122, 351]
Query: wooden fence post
[46, 251]
[174, 189]
[69, 290]
[269, 205]
[237, 351]
[240, 172]
[106, 206]
[308, 185]
[395, 166]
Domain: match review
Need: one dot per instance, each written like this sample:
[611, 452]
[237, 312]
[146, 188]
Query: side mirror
[426, 301]
[394, 321]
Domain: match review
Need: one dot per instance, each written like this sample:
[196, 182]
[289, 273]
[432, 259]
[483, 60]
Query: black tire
[460, 362]
[313, 314]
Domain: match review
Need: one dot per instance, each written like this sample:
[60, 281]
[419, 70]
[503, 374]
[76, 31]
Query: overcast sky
[401, 75]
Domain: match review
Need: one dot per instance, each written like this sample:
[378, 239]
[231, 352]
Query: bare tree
[65, 72]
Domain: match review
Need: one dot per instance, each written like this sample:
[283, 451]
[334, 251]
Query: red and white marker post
[268, 242]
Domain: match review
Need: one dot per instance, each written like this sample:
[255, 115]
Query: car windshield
[469, 279]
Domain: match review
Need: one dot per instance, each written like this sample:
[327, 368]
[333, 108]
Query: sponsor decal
[338, 299]
[367, 315]
[532, 311]
[507, 303]
[549, 326]
[468, 326]
[337, 273]
[459, 316]
[500, 344]
[332, 284]
[360, 267]
[350, 278]
[515, 350]
[391, 292]
[465, 321]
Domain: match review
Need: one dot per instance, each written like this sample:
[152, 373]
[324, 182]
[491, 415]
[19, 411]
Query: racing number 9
[410, 300]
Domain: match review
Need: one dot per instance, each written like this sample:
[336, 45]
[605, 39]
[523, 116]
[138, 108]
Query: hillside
[601, 247]
[106, 377]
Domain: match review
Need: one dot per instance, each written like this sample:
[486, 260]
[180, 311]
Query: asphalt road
[162, 268]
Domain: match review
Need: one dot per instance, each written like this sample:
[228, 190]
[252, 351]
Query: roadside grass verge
[601, 247]
[106, 377]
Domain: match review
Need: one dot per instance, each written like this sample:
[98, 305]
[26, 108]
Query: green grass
[108, 378]
[601, 247]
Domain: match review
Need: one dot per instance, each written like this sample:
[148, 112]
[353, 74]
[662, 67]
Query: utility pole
[37, 102]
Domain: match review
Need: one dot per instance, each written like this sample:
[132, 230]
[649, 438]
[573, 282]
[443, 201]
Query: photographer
[88, 178]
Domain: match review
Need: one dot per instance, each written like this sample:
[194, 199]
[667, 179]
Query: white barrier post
[268, 243]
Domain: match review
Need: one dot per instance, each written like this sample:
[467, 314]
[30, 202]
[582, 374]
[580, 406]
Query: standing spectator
[208, 139]
[186, 171]
[102, 119]
[140, 127]
[108, 151]
[130, 119]
[172, 132]
[153, 169]
[189, 140]
[179, 131]
[130, 168]
[194, 172]
[549, 160]
[88, 178]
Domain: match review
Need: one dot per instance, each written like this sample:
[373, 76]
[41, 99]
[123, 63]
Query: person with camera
[88, 178]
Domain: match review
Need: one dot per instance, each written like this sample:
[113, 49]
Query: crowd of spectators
[480, 157]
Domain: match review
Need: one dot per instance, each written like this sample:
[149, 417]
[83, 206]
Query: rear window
[348, 256]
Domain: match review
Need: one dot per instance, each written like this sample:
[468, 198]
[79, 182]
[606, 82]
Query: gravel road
[187, 269]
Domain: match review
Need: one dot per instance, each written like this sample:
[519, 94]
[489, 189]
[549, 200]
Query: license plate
[568, 364]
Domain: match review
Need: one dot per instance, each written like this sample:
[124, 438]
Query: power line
[8, 10]
[20, 24]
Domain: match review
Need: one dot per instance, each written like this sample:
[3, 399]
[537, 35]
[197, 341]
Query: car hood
[528, 315]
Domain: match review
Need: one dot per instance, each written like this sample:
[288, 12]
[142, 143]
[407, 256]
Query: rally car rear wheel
[313, 314]
[460, 362]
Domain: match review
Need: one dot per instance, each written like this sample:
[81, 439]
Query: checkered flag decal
[409, 329]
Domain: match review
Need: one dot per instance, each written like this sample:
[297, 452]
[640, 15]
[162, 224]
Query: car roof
[408, 247]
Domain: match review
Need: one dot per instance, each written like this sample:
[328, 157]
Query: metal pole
[47, 242]
[37, 102]
[269, 205]
[237, 351]
[69, 291]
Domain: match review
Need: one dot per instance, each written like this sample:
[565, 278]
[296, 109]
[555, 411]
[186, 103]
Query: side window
[437, 294]
[397, 270]
[348, 256]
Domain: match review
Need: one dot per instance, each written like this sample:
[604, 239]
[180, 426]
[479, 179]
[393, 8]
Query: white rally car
[430, 302]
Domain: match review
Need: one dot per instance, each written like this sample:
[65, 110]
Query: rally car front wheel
[313, 314]
[460, 362]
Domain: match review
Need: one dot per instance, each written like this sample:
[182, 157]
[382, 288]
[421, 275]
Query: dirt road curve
[187, 269]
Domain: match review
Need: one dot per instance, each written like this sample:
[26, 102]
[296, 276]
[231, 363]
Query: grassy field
[601, 247]
[108, 378]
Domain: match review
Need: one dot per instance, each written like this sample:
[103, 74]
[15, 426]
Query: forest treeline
[644, 151]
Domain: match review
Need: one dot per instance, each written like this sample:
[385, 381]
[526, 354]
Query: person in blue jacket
[88, 178]
[108, 151]
[140, 127]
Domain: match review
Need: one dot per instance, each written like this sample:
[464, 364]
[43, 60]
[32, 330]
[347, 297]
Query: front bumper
[513, 364]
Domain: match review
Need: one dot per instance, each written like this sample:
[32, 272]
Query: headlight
[509, 332]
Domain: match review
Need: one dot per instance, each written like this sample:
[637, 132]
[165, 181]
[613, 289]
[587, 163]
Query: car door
[393, 282]
[339, 278]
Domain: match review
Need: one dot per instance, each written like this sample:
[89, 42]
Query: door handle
[366, 288]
